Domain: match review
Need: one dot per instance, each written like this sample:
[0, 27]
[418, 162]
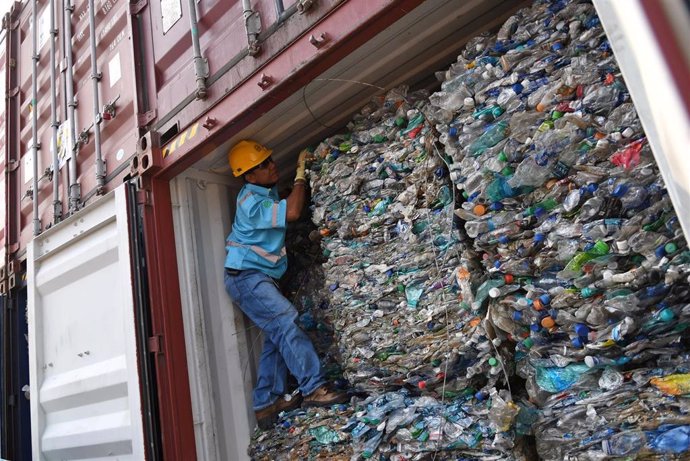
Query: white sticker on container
[28, 166]
[43, 28]
[120, 154]
[64, 143]
[114, 70]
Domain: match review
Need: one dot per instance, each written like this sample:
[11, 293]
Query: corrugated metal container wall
[102, 120]
[235, 39]
[3, 151]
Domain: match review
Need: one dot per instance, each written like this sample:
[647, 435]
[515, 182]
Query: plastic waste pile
[383, 202]
[308, 434]
[506, 238]
[584, 260]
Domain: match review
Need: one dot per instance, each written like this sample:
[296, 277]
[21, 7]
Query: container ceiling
[410, 51]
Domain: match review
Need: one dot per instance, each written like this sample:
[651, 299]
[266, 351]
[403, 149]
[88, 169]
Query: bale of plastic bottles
[500, 259]
[584, 260]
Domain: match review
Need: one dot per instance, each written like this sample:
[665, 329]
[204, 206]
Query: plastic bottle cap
[508, 278]
[548, 322]
[577, 342]
[671, 248]
[503, 239]
[479, 210]
[582, 330]
[600, 248]
[493, 362]
[502, 157]
[517, 316]
[497, 264]
[545, 299]
[535, 327]
[666, 315]
[622, 246]
[421, 385]
[539, 237]
[590, 361]
[494, 292]
[537, 304]
[528, 343]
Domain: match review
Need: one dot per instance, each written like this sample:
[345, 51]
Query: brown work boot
[323, 397]
[266, 417]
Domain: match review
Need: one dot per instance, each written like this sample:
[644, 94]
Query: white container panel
[85, 399]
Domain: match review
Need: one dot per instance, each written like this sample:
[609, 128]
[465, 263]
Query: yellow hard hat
[245, 155]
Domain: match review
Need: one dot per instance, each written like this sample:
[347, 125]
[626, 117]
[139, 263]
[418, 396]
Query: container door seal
[85, 386]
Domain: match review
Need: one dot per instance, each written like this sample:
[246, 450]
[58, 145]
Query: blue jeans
[286, 346]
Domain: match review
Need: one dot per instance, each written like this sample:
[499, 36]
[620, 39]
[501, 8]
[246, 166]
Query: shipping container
[135, 349]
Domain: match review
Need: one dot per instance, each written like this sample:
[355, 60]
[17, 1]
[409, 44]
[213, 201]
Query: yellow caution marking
[189, 133]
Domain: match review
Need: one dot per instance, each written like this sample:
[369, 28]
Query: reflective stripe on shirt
[275, 215]
[260, 251]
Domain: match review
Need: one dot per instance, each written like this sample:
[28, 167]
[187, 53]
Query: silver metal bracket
[304, 5]
[252, 24]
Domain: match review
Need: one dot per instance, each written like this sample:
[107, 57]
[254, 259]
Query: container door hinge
[155, 344]
[12, 165]
[135, 8]
[146, 118]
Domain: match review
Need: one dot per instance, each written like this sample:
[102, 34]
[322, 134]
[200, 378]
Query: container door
[85, 386]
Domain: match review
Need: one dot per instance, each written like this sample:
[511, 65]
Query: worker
[256, 258]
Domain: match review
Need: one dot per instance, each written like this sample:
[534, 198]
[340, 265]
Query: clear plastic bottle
[491, 136]
[624, 443]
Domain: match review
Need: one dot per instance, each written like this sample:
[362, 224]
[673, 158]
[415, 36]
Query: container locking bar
[201, 70]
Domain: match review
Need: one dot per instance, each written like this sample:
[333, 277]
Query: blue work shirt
[257, 240]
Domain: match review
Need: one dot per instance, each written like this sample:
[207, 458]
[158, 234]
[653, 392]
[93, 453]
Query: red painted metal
[11, 224]
[4, 146]
[175, 405]
[670, 46]
[118, 132]
[223, 41]
[348, 26]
